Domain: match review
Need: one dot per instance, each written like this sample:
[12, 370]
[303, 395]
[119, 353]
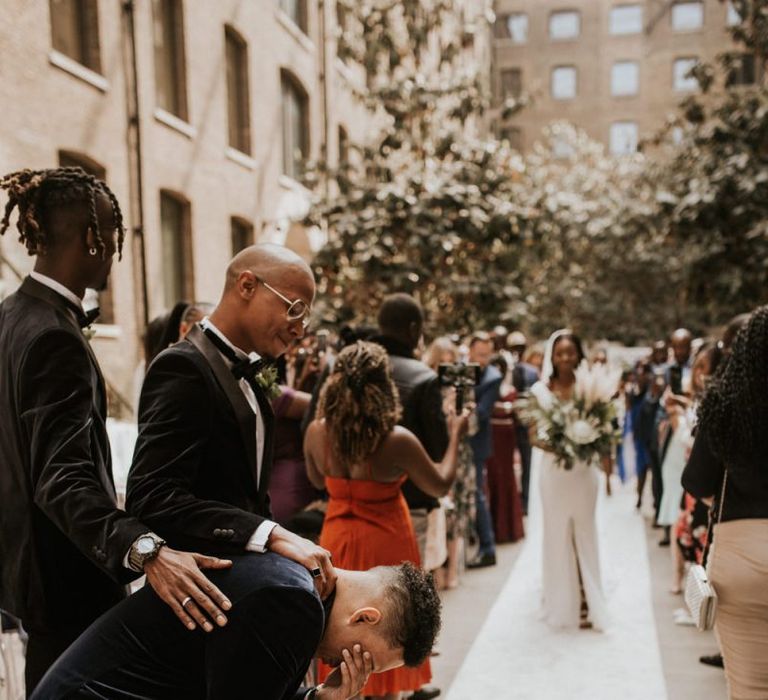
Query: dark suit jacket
[486, 395]
[422, 401]
[62, 538]
[193, 477]
[140, 650]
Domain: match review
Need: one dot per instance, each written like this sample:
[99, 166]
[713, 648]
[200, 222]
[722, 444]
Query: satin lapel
[268, 417]
[245, 418]
[34, 289]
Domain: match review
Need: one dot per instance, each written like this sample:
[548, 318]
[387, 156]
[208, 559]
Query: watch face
[145, 545]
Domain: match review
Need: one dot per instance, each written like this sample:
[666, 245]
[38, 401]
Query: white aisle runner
[517, 656]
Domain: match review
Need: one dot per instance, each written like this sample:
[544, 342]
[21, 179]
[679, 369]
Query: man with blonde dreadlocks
[66, 550]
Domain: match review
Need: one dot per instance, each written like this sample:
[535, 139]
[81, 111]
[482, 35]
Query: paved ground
[467, 608]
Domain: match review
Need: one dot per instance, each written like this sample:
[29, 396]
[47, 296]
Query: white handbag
[700, 595]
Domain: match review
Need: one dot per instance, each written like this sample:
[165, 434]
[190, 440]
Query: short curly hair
[414, 620]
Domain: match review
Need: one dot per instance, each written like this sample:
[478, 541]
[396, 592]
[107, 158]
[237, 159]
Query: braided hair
[734, 411]
[37, 192]
[359, 402]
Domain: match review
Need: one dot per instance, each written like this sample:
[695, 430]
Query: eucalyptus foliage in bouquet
[583, 429]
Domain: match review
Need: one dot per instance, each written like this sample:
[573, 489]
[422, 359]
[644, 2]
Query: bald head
[266, 260]
[681, 345]
[263, 284]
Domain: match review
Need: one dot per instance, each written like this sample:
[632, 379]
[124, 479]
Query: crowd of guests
[281, 477]
[695, 411]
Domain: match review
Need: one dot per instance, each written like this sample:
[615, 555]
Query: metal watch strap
[137, 560]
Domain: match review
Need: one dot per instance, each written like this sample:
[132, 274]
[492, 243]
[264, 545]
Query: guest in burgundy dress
[503, 494]
[290, 490]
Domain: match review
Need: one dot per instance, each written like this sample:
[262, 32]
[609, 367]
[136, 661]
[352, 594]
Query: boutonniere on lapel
[266, 380]
[88, 332]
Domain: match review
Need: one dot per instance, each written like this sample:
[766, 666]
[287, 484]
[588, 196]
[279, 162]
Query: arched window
[295, 125]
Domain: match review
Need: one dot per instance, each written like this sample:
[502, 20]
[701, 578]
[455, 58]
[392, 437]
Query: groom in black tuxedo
[375, 620]
[66, 551]
[200, 472]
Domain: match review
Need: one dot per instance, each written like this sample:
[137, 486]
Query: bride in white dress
[570, 557]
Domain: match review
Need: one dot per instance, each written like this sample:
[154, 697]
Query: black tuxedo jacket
[193, 477]
[420, 395]
[62, 538]
[140, 651]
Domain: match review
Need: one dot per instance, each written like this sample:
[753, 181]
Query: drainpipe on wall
[135, 168]
[324, 93]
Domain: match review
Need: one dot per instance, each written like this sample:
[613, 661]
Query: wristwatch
[145, 548]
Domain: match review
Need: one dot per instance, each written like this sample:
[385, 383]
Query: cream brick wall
[594, 52]
[47, 108]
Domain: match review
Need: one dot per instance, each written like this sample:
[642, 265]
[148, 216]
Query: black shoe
[426, 692]
[665, 542]
[482, 560]
[714, 660]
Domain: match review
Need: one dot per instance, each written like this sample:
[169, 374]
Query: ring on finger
[316, 572]
[185, 601]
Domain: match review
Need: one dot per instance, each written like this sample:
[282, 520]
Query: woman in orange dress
[356, 449]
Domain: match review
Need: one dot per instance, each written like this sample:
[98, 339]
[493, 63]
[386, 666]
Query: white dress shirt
[60, 289]
[258, 541]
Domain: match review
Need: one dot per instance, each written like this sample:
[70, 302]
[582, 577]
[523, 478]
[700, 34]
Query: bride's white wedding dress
[568, 504]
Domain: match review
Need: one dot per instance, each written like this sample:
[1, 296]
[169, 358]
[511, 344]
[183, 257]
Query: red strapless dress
[368, 524]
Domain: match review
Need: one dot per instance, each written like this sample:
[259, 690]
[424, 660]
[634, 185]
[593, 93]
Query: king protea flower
[595, 384]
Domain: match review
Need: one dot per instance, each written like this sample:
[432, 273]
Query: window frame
[554, 70]
[684, 29]
[694, 84]
[623, 123]
[240, 226]
[289, 82]
[171, 60]
[86, 33]
[184, 249]
[554, 14]
[626, 62]
[238, 78]
[618, 8]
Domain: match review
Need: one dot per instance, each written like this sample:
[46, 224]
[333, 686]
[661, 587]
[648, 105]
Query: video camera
[461, 376]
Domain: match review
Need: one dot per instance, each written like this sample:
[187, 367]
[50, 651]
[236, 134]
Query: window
[238, 98]
[512, 135]
[623, 138]
[733, 17]
[241, 232]
[341, 26]
[687, 16]
[682, 81]
[742, 72]
[564, 25]
[297, 11]
[564, 82]
[170, 62]
[75, 30]
[511, 83]
[73, 159]
[343, 147]
[626, 19]
[514, 27]
[295, 126]
[625, 78]
[178, 282]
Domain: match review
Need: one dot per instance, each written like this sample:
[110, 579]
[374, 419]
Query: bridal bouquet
[582, 429]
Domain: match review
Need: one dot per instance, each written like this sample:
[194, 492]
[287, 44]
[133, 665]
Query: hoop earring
[92, 251]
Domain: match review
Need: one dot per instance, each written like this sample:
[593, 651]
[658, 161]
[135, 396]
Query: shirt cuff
[258, 541]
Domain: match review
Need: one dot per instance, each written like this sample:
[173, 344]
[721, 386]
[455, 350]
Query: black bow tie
[86, 318]
[242, 368]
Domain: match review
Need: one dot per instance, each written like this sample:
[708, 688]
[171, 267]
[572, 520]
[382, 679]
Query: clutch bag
[700, 597]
